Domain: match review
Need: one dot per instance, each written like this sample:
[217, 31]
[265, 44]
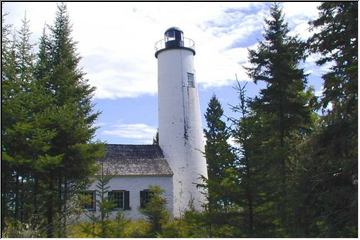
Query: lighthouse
[180, 130]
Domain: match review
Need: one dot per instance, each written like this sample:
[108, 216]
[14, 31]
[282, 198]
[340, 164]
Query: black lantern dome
[174, 37]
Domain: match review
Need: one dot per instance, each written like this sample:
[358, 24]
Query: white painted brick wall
[180, 131]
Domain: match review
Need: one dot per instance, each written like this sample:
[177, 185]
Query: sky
[116, 42]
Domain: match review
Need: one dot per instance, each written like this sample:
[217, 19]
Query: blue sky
[116, 43]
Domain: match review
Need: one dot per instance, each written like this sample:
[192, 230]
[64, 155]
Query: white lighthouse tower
[180, 130]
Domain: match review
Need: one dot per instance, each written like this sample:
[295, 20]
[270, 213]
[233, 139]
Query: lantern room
[174, 37]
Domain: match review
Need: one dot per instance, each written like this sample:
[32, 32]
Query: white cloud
[300, 10]
[232, 142]
[298, 15]
[116, 40]
[140, 132]
[319, 93]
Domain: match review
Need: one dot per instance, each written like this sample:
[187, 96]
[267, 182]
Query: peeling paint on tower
[180, 130]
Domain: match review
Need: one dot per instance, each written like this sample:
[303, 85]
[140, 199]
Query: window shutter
[127, 200]
[142, 199]
[94, 200]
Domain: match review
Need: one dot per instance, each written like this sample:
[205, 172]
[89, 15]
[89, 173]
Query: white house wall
[135, 184]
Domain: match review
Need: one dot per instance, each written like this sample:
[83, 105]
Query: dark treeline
[47, 149]
[291, 171]
[294, 171]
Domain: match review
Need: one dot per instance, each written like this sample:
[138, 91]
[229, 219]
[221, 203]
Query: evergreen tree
[155, 211]
[25, 138]
[26, 57]
[8, 74]
[218, 154]
[47, 133]
[256, 184]
[156, 138]
[16, 75]
[105, 206]
[222, 179]
[243, 134]
[284, 109]
[329, 176]
[71, 115]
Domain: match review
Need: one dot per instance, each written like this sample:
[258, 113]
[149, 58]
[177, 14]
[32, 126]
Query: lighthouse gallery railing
[188, 43]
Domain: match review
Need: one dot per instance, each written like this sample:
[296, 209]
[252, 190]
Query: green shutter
[127, 200]
[142, 199]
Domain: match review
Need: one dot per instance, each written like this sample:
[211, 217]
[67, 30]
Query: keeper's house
[132, 169]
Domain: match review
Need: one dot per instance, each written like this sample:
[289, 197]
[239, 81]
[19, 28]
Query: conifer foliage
[283, 104]
[331, 162]
[291, 171]
[47, 131]
[218, 154]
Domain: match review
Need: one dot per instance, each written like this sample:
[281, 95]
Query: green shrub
[16, 229]
[155, 211]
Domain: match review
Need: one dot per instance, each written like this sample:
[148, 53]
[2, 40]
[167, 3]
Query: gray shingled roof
[134, 160]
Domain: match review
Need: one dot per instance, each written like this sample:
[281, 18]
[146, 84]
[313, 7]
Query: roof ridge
[135, 159]
[121, 144]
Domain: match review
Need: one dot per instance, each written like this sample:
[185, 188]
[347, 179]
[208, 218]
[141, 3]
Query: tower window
[191, 80]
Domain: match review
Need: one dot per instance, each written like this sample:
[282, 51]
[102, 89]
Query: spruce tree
[47, 129]
[329, 178]
[8, 73]
[218, 154]
[284, 110]
[221, 183]
[71, 116]
[26, 57]
[25, 137]
[155, 211]
[243, 134]
[256, 185]
[17, 124]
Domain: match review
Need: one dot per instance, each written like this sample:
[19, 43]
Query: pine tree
[47, 133]
[243, 134]
[283, 107]
[256, 184]
[8, 74]
[105, 206]
[218, 154]
[155, 211]
[26, 138]
[70, 114]
[221, 183]
[329, 178]
[17, 125]
[26, 57]
[337, 41]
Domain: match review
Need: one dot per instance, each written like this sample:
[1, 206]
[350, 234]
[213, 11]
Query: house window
[90, 200]
[120, 198]
[191, 80]
[145, 196]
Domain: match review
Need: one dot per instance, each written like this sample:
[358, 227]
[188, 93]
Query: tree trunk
[35, 204]
[65, 212]
[21, 210]
[16, 197]
[3, 197]
[50, 211]
[250, 203]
